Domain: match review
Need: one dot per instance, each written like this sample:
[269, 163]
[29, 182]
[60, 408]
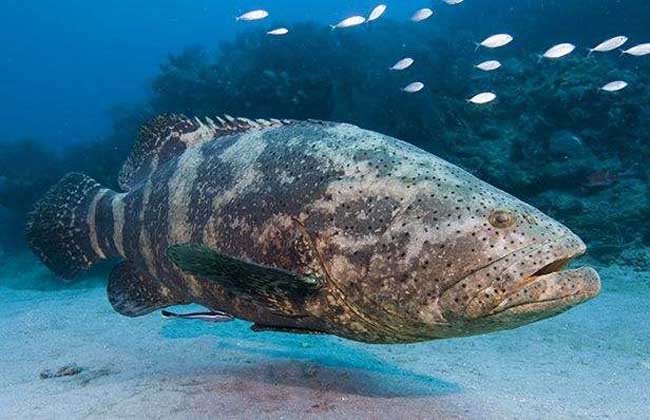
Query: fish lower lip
[564, 288]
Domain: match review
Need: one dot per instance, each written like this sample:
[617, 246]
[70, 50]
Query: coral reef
[552, 138]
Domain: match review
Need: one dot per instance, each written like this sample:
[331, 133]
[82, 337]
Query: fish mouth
[543, 286]
[549, 294]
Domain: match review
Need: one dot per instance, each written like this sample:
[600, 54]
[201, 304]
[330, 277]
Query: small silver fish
[558, 51]
[495, 41]
[349, 22]
[614, 86]
[413, 87]
[638, 50]
[376, 13]
[253, 15]
[482, 98]
[210, 316]
[609, 45]
[278, 32]
[422, 14]
[489, 65]
[403, 64]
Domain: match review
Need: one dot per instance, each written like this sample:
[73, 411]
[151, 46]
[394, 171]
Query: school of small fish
[555, 52]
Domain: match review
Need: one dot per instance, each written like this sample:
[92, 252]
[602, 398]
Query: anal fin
[289, 330]
[133, 292]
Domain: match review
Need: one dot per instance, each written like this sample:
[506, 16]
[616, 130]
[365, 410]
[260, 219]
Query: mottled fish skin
[410, 247]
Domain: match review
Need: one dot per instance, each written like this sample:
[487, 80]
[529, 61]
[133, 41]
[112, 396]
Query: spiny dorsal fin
[168, 136]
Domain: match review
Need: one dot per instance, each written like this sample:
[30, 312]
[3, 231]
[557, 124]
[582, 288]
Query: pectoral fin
[263, 284]
[133, 292]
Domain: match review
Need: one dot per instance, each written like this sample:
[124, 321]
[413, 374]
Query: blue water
[65, 64]
[78, 78]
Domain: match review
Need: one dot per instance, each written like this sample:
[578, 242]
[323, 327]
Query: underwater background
[78, 78]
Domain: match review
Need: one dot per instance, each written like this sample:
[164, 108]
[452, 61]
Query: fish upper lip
[570, 246]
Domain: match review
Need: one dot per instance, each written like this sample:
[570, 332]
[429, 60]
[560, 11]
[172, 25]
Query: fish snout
[538, 277]
[522, 287]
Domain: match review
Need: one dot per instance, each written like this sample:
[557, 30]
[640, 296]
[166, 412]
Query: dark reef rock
[68, 370]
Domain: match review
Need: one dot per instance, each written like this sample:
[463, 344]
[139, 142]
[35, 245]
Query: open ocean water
[313, 269]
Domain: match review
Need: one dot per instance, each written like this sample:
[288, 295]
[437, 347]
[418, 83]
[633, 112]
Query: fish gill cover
[551, 138]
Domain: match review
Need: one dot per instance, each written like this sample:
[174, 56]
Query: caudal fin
[61, 229]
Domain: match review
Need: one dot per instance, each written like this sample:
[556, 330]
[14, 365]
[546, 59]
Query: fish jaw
[547, 295]
[531, 287]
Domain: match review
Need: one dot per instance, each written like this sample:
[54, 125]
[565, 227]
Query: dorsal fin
[168, 136]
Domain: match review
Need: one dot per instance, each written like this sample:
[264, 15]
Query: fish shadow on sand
[317, 362]
[317, 376]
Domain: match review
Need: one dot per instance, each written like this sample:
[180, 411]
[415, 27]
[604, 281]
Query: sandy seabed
[592, 362]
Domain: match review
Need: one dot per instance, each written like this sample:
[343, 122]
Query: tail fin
[61, 229]
[478, 45]
[591, 51]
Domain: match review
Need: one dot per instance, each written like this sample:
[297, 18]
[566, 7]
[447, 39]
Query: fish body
[377, 12]
[453, 2]
[482, 98]
[614, 86]
[609, 45]
[495, 41]
[638, 50]
[490, 65]
[413, 87]
[310, 227]
[558, 51]
[403, 64]
[253, 15]
[422, 14]
[349, 22]
[278, 32]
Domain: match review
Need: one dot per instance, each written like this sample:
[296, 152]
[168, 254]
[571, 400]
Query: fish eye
[502, 218]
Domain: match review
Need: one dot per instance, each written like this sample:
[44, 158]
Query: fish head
[465, 258]
[522, 276]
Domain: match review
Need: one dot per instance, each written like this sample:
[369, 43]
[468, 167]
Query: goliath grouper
[311, 227]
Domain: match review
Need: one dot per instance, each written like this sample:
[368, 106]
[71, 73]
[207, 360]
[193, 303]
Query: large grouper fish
[311, 227]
